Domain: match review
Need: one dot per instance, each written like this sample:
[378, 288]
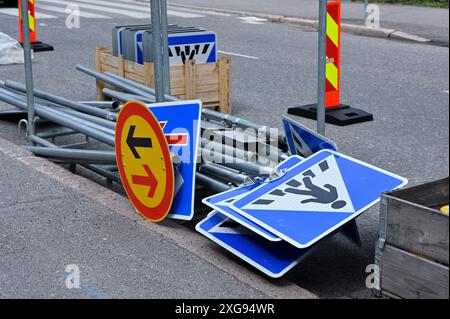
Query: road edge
[171, 230]
[348, 28]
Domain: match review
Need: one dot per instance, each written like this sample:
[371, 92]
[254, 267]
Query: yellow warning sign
[144, 161]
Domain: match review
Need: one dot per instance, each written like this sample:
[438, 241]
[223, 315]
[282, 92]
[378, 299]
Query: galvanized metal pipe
[63, 101]
[228, 150]
[211, 183]
[104, 172]
[56, 133]
[165, 46]
[125, 97]
[139, 86]
[242, 123]
[225, 173]
[252, 169]
[155, 7]
[110, 80]
[81, 118]
[28, 66]
[321, 69]
[67, 121]
[75, 155]
[102, 104]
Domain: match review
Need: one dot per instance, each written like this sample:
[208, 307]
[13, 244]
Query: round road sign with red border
[144, 161]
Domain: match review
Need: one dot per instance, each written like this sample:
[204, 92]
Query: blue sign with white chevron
[303, 141]
[198, 46]
[181, 125]
[316, 197]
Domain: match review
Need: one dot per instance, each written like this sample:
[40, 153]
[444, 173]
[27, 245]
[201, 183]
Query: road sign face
[144, 161]
[223, 203]
[181, 125]
[303, 141]
[198, 46]
[316, 197]
[273, 258]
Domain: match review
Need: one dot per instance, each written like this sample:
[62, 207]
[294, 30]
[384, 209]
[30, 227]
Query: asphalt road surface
[274, 66]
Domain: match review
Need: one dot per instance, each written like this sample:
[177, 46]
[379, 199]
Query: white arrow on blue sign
[317, 197]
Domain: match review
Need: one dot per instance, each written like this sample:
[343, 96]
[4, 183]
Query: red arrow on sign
[149, 180]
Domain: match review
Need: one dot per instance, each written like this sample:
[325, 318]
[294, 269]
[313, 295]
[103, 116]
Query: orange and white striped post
[329, 75]
[332, 73]
[31, 22]
[36, 46]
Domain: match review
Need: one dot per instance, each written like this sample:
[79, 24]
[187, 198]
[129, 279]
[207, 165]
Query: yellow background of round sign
[153, 157]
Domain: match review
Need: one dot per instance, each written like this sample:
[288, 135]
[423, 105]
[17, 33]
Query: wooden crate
[413, 247]
[210, 82]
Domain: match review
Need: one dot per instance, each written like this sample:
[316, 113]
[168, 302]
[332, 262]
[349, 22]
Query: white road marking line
[82, 13]
[138, 7]
[446, 92]
[15, 12]
[252, 20]
[207, 12]
[239, 55]
[128, 13]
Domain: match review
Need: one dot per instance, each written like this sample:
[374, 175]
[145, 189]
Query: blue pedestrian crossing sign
[304, 142]
[272, 258]
[222, 203]
[316, 197]
[198, 46]
[180, 122]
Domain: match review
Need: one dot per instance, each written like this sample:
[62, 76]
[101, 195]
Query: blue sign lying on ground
[303, 141]
[181, 125]
[273, 258]
[316, 197]
[222, 203]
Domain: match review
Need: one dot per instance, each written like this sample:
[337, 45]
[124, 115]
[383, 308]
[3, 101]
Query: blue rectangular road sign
[273, 258]
[222, 203]
[198, 46]
[316, 197]
[303, 141]
[181, 126]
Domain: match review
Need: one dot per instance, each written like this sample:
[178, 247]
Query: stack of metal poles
[227, 165]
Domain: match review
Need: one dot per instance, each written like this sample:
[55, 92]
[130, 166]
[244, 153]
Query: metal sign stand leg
[160, 48]
[28, 70]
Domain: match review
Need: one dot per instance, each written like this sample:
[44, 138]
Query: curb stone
[349, 28]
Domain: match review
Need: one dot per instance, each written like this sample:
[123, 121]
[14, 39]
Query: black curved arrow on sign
[135, 142]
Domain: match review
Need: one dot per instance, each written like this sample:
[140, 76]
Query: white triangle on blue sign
[319, 188]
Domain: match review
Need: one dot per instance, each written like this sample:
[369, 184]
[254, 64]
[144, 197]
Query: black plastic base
[41, 47]
[342, 115]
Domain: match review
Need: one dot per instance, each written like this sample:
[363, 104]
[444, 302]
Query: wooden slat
[208, 97]
[224, 85]
[418, 229]
[189, 76]
[107, 68]
[135, 78]
[110, 60]
[412, 277]
[431, 194]
[137, 69]
[208, 82]
[99, 67]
